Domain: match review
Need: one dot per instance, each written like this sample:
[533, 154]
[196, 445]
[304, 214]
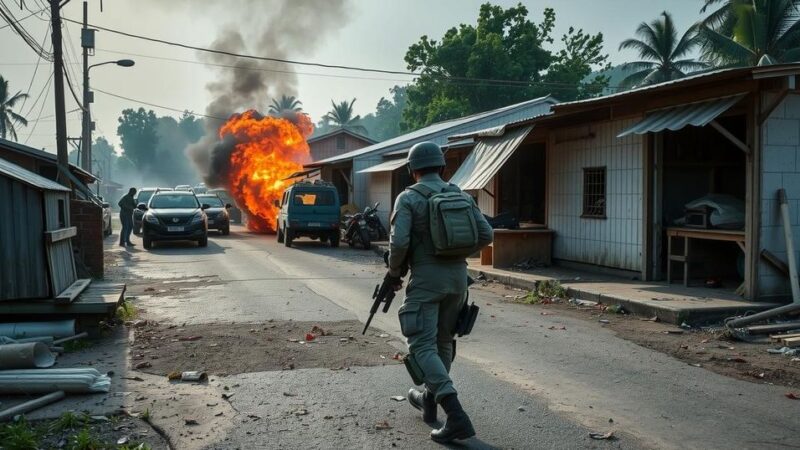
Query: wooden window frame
[588, 198]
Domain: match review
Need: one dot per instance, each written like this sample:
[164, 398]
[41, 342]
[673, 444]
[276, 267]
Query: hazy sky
[373, 33]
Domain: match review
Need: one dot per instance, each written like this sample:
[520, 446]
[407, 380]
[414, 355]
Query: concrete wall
[616, 241]
[780, 168]
[380, 191]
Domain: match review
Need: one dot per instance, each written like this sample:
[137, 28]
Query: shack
[85, 210]
[39, 275]
[676, 181]
[371, 173]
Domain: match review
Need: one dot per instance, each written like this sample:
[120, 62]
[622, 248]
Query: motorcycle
[362, 228]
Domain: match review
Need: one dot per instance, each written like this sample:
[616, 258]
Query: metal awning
[386, 166]
[695, 114]
[303, 173]
[486, 159]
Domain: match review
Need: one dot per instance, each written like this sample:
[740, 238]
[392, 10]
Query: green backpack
[454, 231]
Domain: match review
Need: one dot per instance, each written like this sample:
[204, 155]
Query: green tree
[569, 74]
[285, 103]
[663, 55]
[341, 116]
[386, 121]
[137, 130]
[7, 116]
[504, 45]
[752, 32]
[191, 127]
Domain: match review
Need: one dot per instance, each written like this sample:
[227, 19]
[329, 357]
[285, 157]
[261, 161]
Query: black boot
[457, 425]
[424, 402]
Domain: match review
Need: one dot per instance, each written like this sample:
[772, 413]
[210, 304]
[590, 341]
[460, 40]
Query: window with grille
[594, 192]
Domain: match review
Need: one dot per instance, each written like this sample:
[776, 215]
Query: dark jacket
[127, 204]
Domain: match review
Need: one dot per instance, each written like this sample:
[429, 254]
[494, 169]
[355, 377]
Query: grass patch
[85, 440]
[69, 421]
[126, 311]
[19, 435]
[547, 291]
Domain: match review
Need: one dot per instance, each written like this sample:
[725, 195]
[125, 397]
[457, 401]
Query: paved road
[567, 382]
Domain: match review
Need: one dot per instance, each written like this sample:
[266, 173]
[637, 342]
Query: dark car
[217, 213]
[234, 213]
[143, 196]
[174, 216]
[106, 217]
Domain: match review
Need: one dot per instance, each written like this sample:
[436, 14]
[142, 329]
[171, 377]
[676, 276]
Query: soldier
[437, 287]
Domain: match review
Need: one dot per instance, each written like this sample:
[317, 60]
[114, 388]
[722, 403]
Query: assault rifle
[384, 293]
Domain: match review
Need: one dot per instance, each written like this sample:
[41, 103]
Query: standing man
[126, 206]
[434, 243]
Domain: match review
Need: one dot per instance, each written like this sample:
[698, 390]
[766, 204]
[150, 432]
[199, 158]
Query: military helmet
[425, 154]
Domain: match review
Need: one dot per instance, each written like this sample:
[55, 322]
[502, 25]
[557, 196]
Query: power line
[36, 69]
[5, 13]
[44, 87]
[24, 18]
[44, 102]
[168, 108]
[323, 65]
[72, 90]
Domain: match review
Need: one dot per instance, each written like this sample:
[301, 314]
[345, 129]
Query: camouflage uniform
[437, 287]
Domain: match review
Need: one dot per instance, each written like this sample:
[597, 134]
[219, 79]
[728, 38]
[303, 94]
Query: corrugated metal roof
[26, 176]
[336, 131]
[41, 154]
[455, 144]
[486, 159]
[388, 166]
[696, 114]
[443, 129]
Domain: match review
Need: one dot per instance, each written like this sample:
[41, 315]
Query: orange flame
[268, 149]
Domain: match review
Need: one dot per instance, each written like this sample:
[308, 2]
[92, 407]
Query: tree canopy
[342, 116]
[285, 103]
[8, 118]
[457, 71]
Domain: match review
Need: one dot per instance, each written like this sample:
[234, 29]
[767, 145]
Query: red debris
[792, 396]
[310, 336]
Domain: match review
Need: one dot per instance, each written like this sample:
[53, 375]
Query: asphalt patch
[225, 349]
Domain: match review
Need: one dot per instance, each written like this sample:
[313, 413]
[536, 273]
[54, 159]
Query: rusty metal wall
[23, 268]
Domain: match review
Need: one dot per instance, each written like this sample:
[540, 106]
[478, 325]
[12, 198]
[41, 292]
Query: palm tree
[752, 33]
[341, 116]
[7, 116]
[286, 103]
[664, 56]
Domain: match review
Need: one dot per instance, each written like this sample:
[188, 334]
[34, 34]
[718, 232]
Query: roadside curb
[669, 314]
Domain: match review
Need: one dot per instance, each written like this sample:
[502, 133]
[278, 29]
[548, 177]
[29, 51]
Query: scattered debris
[190, 338]
[316, 329]
[602, 436]
[133, 378]
[651, 319]
[604, 321]
[398, 398]
[521, 408]
[383, 335]
[673, 332]
[686, 326]
[289, 394]
[310, 337]
[383, 425]
[190, 422]
[615, 309]
[737, 360]
[301, 412]
[792, 396]
[142, 365]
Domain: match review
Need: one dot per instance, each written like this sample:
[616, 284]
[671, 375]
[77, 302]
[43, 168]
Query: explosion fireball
[266, 150]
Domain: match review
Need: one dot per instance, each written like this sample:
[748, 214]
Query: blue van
[309, 210]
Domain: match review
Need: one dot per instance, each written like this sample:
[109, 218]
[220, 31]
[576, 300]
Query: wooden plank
[771, 107]
[778, 337]
[791, 342]
[69, 294]
[713, 235]
[60, 235]
[723, 131]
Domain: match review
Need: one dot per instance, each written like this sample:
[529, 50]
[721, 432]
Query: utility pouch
[413, 369]
[466, 319]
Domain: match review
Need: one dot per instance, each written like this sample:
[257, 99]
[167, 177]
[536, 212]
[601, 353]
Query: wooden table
[696, 233]
[514, 246]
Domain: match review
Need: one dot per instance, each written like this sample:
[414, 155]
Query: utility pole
[87, 42]
[58, 83]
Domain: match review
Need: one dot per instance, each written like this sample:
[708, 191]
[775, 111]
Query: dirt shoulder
[226, 349]
[710, 348]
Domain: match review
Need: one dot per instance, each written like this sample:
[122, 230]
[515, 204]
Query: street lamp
[88, 98]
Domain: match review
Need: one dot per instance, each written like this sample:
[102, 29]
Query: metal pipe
[58, 329]
[790, 254]
[42, 381]
[71, 338]
[31, 405]
[31, 355]
[742, 321]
